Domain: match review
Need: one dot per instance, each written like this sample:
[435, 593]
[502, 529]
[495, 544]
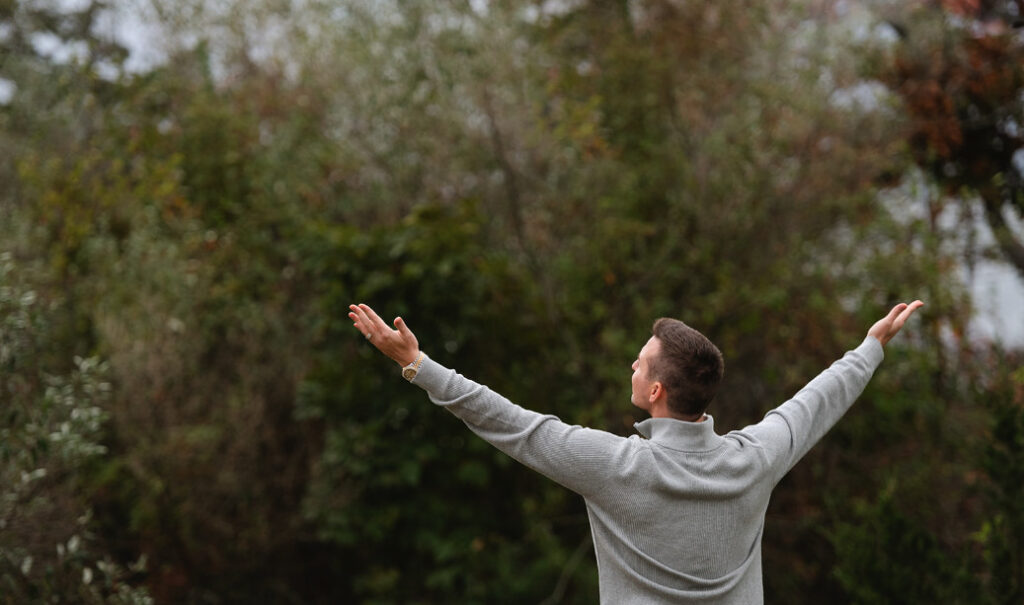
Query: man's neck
[665, 413]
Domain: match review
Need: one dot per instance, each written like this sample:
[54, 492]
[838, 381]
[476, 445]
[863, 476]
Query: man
[677, 515]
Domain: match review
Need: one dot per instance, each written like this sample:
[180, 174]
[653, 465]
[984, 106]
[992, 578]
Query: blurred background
[192, 191]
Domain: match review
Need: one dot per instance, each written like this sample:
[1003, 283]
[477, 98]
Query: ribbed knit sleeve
[790, 430]
[578, 458]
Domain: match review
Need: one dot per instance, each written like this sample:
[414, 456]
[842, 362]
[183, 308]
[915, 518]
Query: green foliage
[529, 187]
[385, 446]
[885, 556]
[1002, 459]
[52, 419]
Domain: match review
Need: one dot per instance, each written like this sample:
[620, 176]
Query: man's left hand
[887, 327]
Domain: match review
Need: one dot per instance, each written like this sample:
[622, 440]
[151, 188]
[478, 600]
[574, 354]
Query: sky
[998, 294]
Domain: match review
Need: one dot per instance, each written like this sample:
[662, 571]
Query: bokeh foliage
[529, 186]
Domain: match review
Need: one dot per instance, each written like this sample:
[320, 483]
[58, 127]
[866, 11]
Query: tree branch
[570, 567]
[1012, 249]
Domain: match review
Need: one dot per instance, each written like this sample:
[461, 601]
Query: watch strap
[410, 371]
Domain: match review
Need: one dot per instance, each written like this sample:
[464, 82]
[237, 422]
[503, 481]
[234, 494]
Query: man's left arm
[790, 430]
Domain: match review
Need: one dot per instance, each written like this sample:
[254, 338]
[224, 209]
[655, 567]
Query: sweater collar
[680, 434]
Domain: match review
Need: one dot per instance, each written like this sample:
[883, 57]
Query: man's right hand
[887, 327]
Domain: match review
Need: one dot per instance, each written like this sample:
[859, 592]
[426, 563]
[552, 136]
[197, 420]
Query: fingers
[365, 318]
[372, 326]
[893, 318]
[906, 312]
[373, 318]
[360, 319]
[400, 345]
[895, 311]
[910, 309]
[355, 315]
[887, 327]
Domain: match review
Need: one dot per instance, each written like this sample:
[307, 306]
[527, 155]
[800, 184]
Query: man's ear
[657, 392]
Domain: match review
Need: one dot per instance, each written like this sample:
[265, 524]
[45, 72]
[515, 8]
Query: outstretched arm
[578, 458]
[790, 430]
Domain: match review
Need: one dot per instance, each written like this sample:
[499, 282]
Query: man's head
[680, 365]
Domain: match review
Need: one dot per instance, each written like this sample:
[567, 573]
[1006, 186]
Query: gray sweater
[677, 515]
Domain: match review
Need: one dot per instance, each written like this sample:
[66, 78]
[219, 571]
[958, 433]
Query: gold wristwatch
[410, 371]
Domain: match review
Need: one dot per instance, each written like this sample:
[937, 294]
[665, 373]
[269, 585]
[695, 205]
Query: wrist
[408, 358]
[410, 370]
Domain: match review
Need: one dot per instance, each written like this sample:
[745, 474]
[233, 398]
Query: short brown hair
[689, 366]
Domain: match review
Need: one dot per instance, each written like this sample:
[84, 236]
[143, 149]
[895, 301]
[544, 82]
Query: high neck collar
[681, 435]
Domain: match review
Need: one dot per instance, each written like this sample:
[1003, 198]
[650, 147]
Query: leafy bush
[51, 422]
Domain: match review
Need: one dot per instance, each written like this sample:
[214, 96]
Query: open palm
[887, 327]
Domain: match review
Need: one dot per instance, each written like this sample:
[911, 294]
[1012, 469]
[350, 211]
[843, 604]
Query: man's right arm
[578, 458]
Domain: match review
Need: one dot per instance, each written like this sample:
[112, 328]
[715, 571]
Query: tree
[959, 70]
[1001, 456]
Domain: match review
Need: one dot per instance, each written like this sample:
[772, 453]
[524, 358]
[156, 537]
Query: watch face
[409, 373]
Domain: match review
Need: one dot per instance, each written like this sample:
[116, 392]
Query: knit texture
[677, 512]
